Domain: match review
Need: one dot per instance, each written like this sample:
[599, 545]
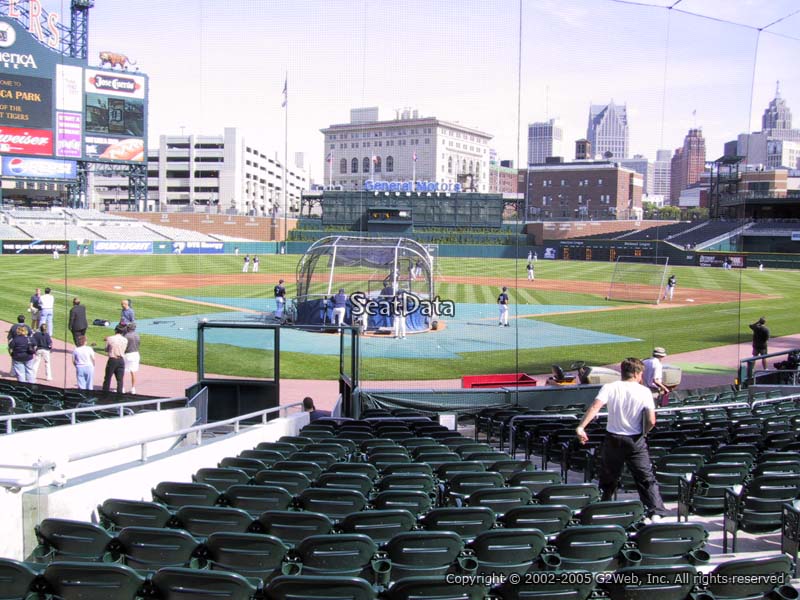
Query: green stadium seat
[323, 459]
[433, 588]
[380, 525]
[422, 553]
[589, 547]
[150, 548]
[414, 501]
[341, 554]
[16, 579]
[507, 551]
[268, 457]
[175, 494]
[251, 466]
[175, 583]
[500, 500]
[413, 468]
[461, 485]
[353, 467]
[310, 469]
[251, 555]
[310, 587]
[345, 481]
[285, 448]
[668, 582]
[625, 513]
[297, 440]
[92, 581]
[256, 499]
[574, 495]
[293, 482]
[292, 527]
[202, 521]
[671, 543]
[115, 514]
[726, 580]
[62, 539]
[550, 519]
[466, 521]
[221, 478]
[335, 503]
[570, 585]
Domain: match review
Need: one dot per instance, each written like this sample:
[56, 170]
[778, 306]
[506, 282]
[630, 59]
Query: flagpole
[285, 161]
[414, 173]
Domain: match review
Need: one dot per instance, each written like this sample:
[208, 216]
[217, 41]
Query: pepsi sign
[41, 168]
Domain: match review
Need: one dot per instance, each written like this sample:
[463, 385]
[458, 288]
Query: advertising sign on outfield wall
[104, 247]
[198, 247]
[35, 247]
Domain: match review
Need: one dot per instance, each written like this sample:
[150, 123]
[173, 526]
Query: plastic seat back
[116, 514]
[380, 525]
[574, 495]
[347, 554]
[16, 579]
[669, 543]
[353, 467]
[548, 518]
[500, 500]
[293, 482]
[92, 581]
[292, 527]
[310, 469]
[248, 554]
[174, 583]
[251, 466]
[466, 521]
[221, 478]
[256, 499]
[507, 551]
[345, 481]
[422, 553]
[433, 588]
[63, 539]
[650, 583]
[590, 547]
[624, 513]
[312, 587]
[150, 548]
[202, 521]
[727, 579]
[176, 494]
[336, 503]
[414, 501]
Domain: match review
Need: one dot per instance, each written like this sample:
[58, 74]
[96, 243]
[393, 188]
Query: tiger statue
[113, 59]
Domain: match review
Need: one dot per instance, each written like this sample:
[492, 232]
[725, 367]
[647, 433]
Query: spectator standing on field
[631, 414]
[35, 307]
[77, 320]
[83, 359]
[126, 315]
[21, 327]
[22, 351]
[115, 346]
[132, 356]
[46, 314]
[44, 344]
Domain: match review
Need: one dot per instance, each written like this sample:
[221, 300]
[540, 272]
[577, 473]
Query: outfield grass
[679, 329]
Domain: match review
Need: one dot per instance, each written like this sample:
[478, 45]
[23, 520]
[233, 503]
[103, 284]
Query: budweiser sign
[31, 142]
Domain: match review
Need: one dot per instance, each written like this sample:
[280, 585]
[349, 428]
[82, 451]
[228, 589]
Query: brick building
[597, 190]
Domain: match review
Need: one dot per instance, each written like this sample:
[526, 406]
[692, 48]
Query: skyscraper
[661, 174]
[608, 130]
[688, 163]
[777, 115]
[544, 139]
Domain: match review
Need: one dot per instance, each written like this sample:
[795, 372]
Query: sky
[494, 65]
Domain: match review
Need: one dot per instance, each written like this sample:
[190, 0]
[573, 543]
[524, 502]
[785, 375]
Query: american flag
[375, 159]
[330, 156]
[414, 156]
[285, 92]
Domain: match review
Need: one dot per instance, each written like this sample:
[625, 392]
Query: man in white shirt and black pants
[631, 414]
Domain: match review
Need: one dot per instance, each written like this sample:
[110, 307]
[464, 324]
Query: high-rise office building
[688, 163]
[608, 130]
[545, 139]
[662, 167]
[777, 115]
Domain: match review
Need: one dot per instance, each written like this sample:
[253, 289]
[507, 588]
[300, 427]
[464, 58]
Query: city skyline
[212, 68]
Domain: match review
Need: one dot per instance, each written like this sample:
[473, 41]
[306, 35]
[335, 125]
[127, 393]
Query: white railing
[38, 468]
[72, 412]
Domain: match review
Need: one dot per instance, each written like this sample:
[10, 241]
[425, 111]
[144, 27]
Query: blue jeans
[85, 375]
[24, 371]
[46, 316]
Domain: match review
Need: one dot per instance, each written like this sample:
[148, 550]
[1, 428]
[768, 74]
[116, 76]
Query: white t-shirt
[47, 301]
[625, 402]
[653, 371]
[83, 356]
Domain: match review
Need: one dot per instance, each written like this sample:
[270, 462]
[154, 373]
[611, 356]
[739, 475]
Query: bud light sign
[40, 168]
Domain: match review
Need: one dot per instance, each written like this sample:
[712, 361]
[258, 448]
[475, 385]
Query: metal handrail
[199, 429]
[15, 484]
[71, 412]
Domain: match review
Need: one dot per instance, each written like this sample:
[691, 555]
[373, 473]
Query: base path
[146, 284]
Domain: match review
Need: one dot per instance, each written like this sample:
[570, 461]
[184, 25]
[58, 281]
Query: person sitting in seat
[558, 377]
[308, 406]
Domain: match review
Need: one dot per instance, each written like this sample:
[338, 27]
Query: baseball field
[561, 317]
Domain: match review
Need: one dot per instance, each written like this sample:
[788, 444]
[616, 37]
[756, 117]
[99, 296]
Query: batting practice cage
[382, 276]
[638, 279]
